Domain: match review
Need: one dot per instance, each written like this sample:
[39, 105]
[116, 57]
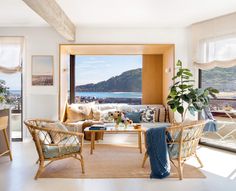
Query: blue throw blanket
[158, 152]
[211, 124]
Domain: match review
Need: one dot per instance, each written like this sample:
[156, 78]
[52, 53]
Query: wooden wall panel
[152, 79]
[63, 76]
[168, 72]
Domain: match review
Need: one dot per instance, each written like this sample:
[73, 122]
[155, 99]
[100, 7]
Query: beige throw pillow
[96, 114]
[74, 114]
[57, 137]
[79, 112]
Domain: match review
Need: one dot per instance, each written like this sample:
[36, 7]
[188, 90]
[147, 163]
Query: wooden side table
[3, 127]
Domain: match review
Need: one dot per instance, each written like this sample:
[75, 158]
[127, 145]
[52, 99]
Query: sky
[93, 69]
[89, 69]
[13, 81]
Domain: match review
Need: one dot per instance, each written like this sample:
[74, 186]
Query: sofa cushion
[148, 115]
[136, 117]
[85, 107]
[161, 115]
[74, 114]
[79, 112]
[106, 106]
[96, 114]
[105, 117]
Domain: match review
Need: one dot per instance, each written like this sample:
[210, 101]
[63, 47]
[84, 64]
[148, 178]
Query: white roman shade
[216, 52]
[11, 49]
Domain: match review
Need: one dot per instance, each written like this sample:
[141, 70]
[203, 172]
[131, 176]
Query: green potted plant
[184, 97]
[3, 91]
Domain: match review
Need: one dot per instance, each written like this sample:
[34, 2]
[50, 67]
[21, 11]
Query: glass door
[13, 98]
[223, 108]
[11, 49]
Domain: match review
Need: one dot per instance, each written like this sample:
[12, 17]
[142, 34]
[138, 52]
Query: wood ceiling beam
[52, 13]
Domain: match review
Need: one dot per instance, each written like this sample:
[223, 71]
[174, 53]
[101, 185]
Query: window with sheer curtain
[218, 65]
[216, 52]
[11, 54]
[11, 49]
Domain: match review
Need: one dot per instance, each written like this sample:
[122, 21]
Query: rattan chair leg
[82, 163]
[180, 169]
[40, 170]
[199, 161]
[144, 159]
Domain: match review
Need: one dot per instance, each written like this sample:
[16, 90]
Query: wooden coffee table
[114, 130]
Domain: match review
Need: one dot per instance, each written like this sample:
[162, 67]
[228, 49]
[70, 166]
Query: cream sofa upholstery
[161, 114]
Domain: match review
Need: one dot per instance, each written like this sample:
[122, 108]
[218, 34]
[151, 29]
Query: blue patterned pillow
[134, 116]
[148, 115]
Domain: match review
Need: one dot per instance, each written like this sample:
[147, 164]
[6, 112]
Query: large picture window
[108, 78]
[218, 70]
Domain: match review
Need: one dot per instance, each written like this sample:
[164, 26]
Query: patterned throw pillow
[148, 115]
[56, 137]
[106, 117]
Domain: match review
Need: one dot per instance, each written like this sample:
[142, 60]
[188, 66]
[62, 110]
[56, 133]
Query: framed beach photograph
[42, 70]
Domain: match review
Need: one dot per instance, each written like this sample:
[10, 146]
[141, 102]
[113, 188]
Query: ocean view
[110, 94]
[15, 92]
[98, 94]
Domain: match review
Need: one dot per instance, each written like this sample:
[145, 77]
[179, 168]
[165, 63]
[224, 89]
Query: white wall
[177, 36]
[42, 102]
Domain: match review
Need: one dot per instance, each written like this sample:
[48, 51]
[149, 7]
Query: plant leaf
[180, 109]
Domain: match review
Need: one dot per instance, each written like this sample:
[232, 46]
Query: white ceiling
[144, 13]
[17, 13]
[121, 13]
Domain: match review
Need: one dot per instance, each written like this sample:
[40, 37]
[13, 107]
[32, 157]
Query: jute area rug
[110, 161]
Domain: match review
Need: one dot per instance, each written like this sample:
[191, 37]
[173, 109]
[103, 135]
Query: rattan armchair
[182, 142]
[64, 145]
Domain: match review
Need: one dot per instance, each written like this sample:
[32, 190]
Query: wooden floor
[220, 170]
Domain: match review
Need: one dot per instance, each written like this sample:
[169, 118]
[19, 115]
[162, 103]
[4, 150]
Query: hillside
[129, 81]
[223, 79]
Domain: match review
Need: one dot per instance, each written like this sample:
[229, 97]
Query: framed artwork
[42, 70]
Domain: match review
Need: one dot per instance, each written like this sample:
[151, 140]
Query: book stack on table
[97, 127]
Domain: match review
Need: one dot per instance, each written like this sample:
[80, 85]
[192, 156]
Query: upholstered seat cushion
[67, 146]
